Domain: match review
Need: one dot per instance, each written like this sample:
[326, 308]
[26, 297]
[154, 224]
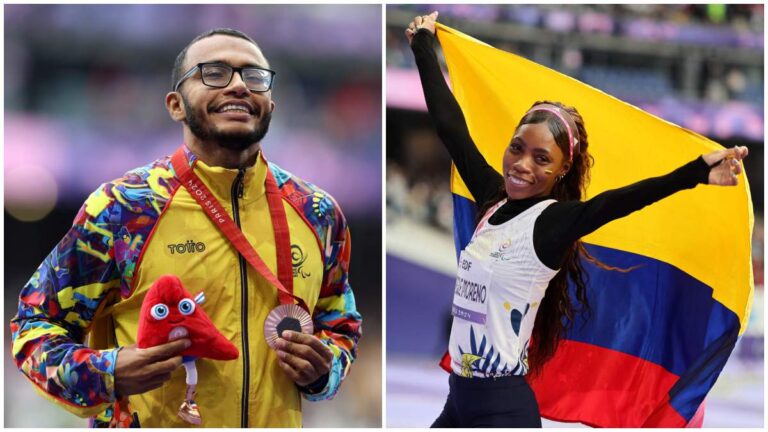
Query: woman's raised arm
[563, 223]
[481, 179]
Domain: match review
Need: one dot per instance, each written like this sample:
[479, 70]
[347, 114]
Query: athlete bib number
[471, 292]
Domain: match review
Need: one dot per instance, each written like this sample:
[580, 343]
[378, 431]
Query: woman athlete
[512, 276]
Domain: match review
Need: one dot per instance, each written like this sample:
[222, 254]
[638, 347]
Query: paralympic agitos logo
[298, 257]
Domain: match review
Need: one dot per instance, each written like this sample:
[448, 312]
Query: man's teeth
[227, 108]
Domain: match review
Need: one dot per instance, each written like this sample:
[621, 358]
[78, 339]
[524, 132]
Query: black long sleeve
[481, 179]
[562, 223]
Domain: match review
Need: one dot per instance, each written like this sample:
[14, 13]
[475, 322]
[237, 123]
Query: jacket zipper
[236, 193]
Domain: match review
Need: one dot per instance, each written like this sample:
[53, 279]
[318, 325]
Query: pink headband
[569, 126]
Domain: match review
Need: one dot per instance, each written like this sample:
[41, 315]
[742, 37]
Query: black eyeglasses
[219, 75]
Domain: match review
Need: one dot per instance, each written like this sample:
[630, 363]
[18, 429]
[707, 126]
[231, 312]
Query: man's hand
[141, 370]
[303, 357]
[725, 165]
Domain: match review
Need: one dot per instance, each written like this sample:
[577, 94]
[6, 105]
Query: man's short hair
[179, 63]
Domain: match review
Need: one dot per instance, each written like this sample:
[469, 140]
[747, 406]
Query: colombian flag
[659, 335]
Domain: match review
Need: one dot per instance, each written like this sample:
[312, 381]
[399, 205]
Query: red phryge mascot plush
[170, 312]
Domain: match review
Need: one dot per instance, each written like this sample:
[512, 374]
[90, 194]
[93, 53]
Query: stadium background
[84, 103]
[698, 66]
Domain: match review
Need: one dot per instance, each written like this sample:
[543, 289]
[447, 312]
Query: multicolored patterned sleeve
[75, 282]
[337, 322]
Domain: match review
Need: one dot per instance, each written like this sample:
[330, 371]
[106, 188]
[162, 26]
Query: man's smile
[236, 109]
[235, 104]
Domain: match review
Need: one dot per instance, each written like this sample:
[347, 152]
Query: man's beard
[231, 140]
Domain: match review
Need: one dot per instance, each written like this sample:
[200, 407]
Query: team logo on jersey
[298, 257]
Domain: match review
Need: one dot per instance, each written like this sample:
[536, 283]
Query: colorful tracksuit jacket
[84, 299]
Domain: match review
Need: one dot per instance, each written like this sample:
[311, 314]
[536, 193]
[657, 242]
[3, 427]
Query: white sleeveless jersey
[499, 286]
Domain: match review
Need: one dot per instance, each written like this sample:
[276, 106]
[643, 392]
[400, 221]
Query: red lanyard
[221, 219]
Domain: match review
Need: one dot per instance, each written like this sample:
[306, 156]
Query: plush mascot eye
[186, 306]
[159, 311]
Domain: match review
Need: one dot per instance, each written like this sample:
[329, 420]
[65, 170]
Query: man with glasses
[75, 332]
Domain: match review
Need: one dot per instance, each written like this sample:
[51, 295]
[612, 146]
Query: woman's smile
[517, 181]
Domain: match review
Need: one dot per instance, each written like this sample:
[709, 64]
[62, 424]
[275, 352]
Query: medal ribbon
[215, 211]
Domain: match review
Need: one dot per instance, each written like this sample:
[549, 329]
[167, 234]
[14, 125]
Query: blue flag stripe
[655, 312]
